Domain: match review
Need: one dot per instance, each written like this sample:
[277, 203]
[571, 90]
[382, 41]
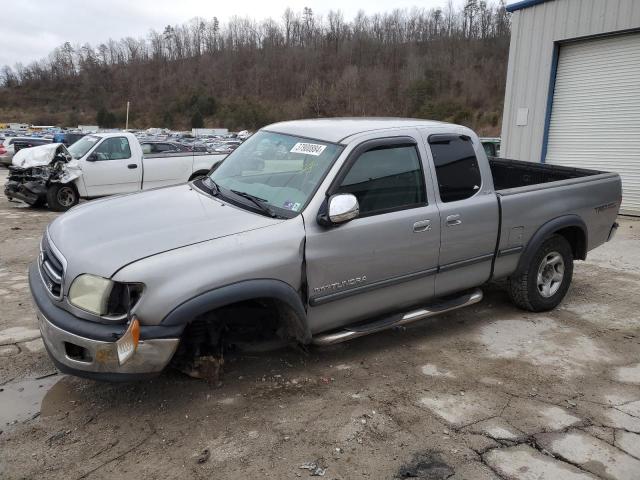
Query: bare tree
[444, 63]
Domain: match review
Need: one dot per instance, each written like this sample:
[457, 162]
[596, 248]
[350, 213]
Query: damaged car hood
[39, 156]
[63, 167]
[105, 235]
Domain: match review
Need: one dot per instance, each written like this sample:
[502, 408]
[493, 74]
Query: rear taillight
[2, 150]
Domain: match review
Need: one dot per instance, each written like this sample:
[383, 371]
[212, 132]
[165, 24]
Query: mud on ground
[482, 393]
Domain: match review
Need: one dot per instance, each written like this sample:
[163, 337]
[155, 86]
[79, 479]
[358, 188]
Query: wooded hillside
[442, 64]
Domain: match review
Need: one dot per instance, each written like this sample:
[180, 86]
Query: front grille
[51, 269]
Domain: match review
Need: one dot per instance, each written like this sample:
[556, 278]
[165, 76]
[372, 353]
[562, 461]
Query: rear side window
[456, 165]
[386, 179]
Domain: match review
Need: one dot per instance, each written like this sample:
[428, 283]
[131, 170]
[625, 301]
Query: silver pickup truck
[315, 231]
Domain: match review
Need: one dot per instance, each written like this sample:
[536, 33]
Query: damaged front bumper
[35, 169]
[28, 192]
[88, 349]
[23, 185]
[96, 359]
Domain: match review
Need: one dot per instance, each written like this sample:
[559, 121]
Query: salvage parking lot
[485, 392]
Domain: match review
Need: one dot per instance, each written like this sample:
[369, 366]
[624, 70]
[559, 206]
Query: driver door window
[116, 148]
[385, 180]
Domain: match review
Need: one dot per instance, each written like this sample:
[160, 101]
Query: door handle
[453, 220]
[132, 165]
[422, 226]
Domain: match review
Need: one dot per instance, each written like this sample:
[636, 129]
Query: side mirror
[341, 208]
[92, 158]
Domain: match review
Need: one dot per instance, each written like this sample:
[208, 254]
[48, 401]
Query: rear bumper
[88, 349]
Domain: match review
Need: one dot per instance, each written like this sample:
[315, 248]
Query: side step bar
[361, 329]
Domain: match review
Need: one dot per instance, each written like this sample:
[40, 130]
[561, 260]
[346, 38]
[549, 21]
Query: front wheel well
[258, 323]
[577, 240]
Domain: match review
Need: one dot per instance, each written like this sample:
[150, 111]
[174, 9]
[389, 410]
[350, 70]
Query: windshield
[80, 148]
[281, 170]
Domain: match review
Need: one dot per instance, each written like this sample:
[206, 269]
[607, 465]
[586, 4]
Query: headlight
[102, 296]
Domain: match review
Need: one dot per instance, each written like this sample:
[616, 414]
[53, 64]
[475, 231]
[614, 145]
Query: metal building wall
[535, 32]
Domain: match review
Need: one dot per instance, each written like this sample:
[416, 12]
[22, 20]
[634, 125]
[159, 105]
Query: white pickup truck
[95, 166]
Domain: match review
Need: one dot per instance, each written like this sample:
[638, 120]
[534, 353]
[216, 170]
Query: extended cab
[98, 165]
[316, 231]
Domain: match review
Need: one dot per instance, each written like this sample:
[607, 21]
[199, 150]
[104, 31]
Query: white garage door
[595, 117]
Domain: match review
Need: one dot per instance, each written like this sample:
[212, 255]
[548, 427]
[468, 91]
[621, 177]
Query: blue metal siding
[552, 88]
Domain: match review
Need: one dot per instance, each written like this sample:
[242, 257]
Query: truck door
[111, 168]
[386, 258]
[468, 212]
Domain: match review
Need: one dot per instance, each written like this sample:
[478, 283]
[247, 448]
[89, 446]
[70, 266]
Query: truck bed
[532, 194]
[509, 174]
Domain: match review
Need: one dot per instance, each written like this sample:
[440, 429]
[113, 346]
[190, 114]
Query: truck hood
[39, 156]
[102, 236]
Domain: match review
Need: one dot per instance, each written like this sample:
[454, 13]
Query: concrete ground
[488, 392]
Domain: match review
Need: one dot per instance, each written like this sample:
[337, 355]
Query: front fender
[69, 176]
[242, 291]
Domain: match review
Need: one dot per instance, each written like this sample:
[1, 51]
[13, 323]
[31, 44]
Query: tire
[62, 196]
[39, 203]
[545, 281]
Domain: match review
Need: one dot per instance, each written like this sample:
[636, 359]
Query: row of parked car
[176, 142]
[171, 143]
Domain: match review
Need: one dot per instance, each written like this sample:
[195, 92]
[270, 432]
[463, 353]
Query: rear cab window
[456, 165]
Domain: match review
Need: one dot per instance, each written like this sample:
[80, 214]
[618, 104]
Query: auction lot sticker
[308, 148]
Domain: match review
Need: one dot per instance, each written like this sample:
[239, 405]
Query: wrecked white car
[98, 165]
[42, 175]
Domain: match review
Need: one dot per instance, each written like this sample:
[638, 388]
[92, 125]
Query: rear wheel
[546, 279]
[61, 197]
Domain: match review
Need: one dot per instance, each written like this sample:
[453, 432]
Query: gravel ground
[482, 393]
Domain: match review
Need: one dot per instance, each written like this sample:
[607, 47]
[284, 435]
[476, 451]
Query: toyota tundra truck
[312, 231]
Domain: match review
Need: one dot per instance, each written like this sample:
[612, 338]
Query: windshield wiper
[261, 203]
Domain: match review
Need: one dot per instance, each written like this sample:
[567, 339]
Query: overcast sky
[30, 29]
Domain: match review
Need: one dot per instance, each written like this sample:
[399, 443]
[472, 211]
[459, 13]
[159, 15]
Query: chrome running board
[361, 329]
